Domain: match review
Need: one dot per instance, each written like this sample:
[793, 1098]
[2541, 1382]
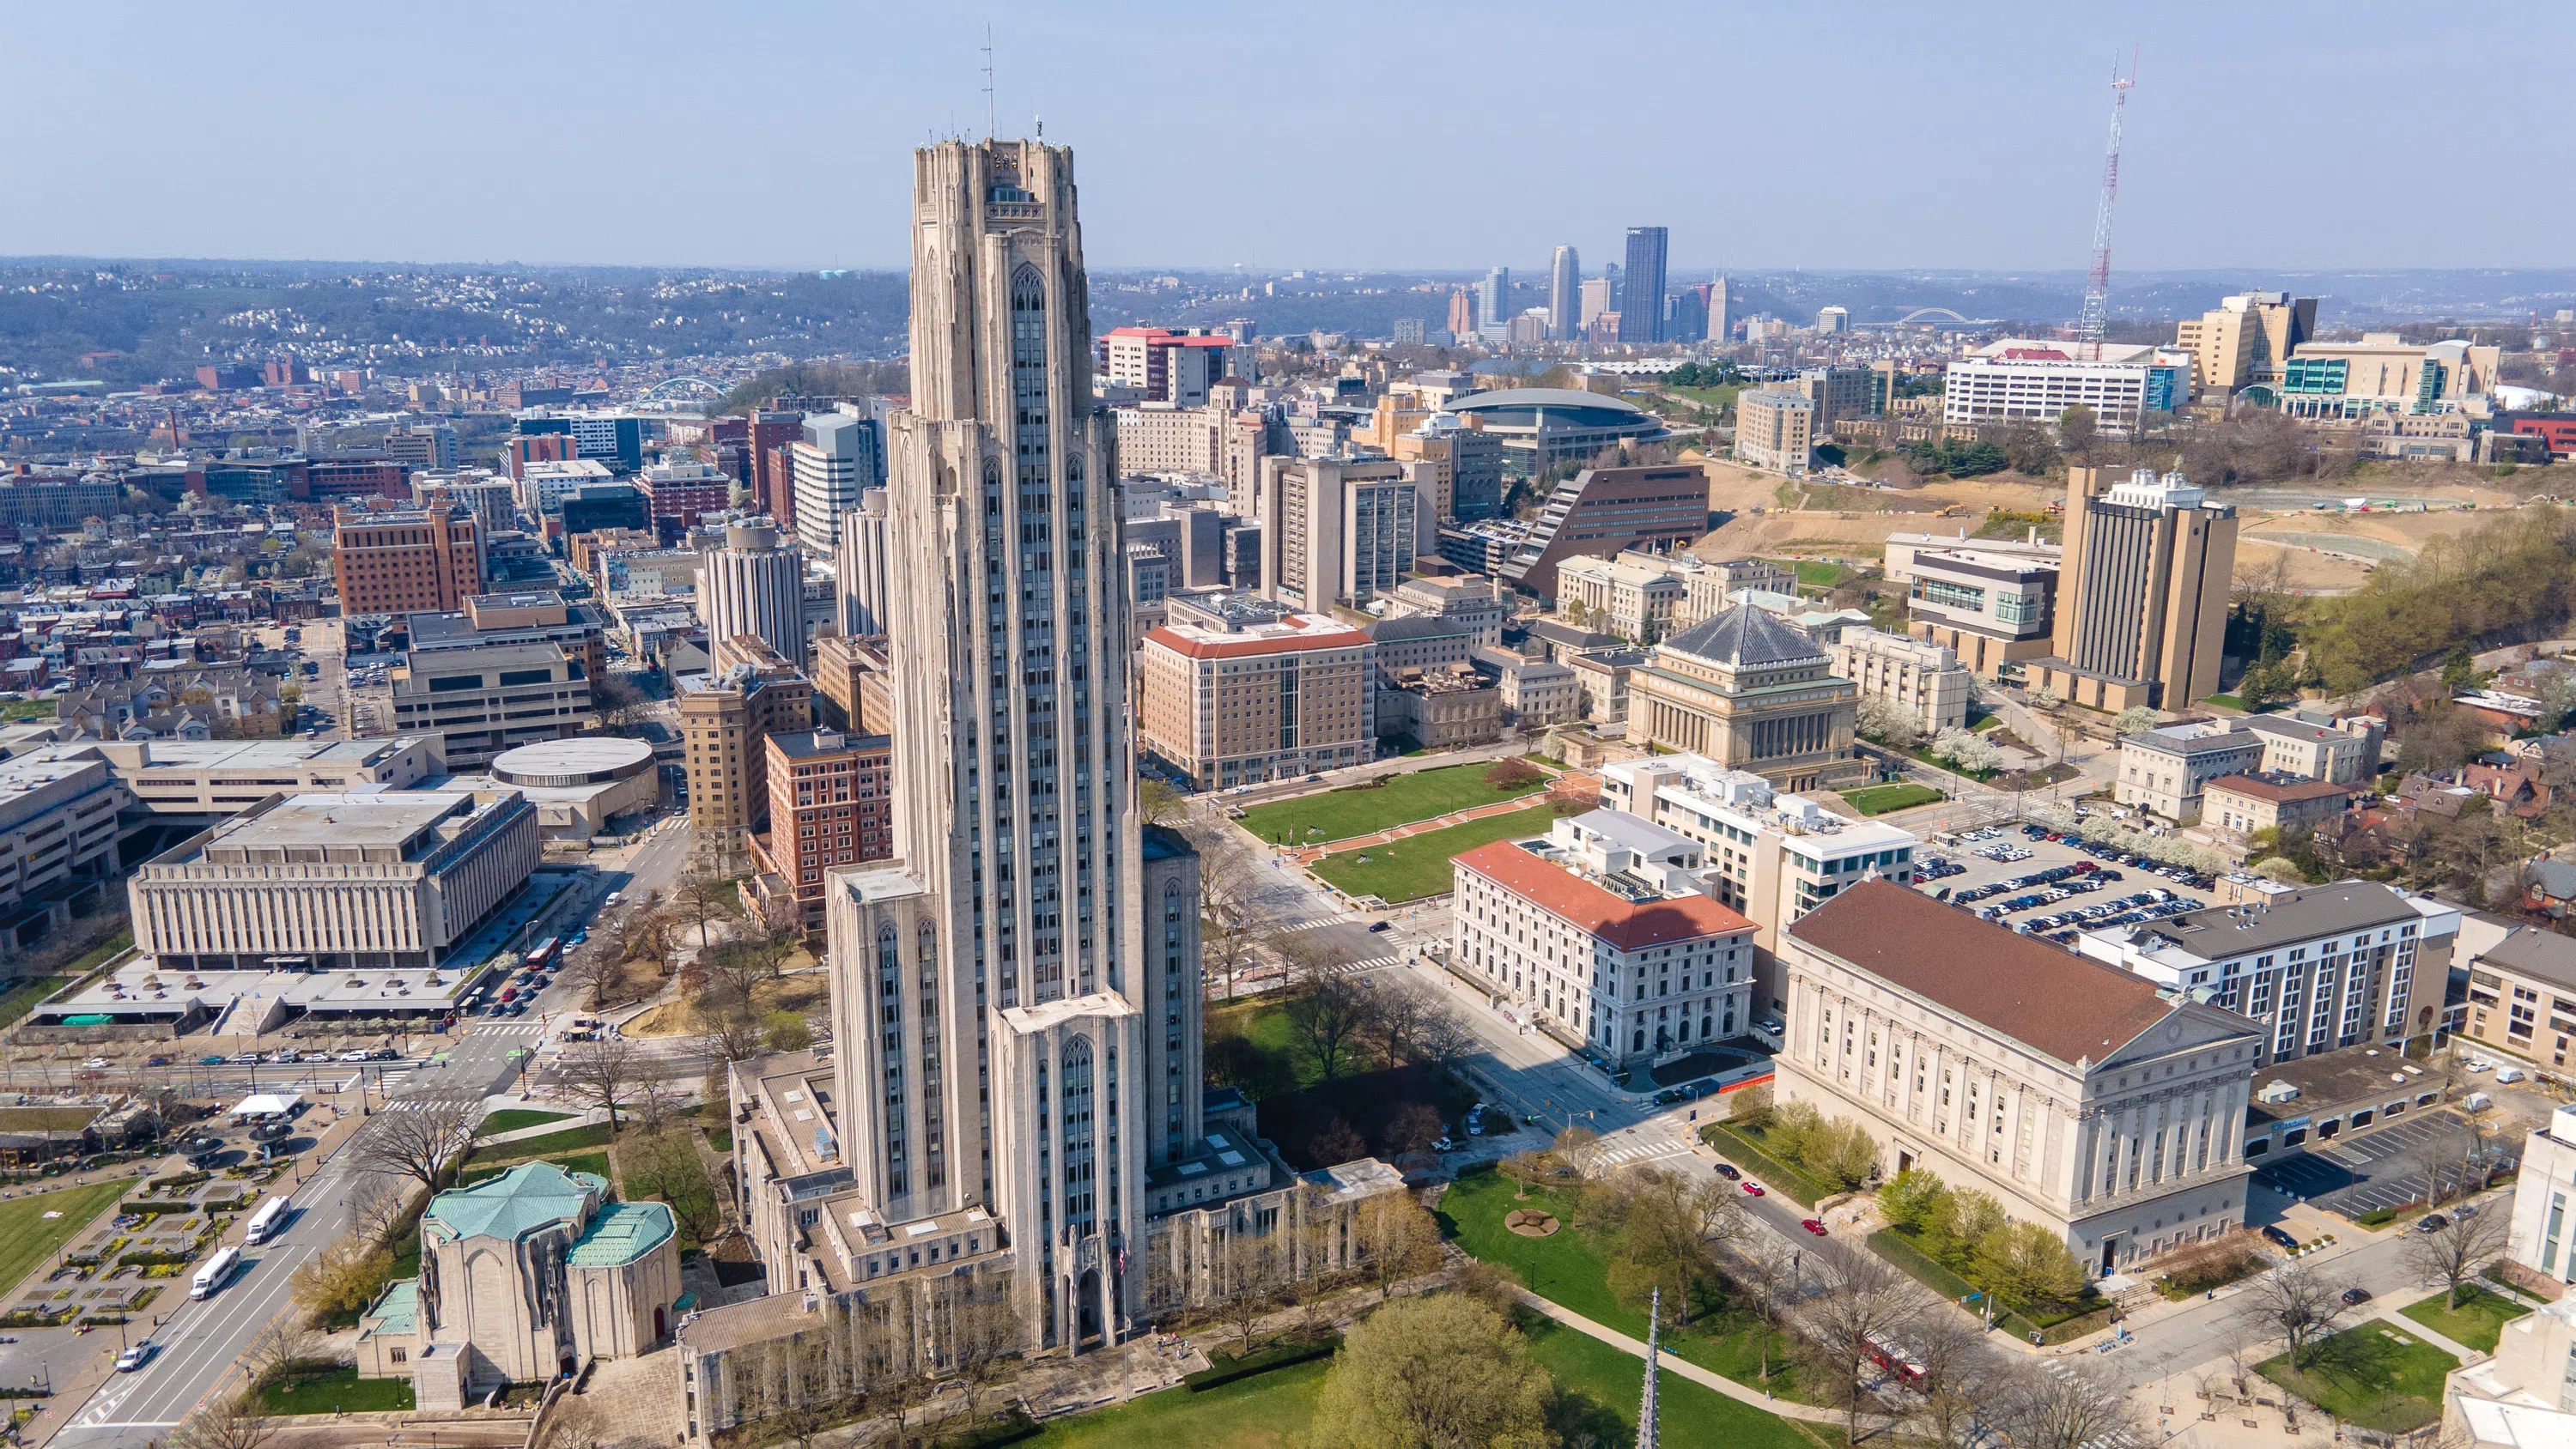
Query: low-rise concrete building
[58, 843]
[1638, 601]
[1923, 679]
[480, 700]
[2315, 1100]
[2522, 994]
[2318, 747]
[2239, 806]
[2166, 770]
[1993, 609]
[1442, 709]
[1534, 692]
[2539, 1244]
[2086, 1099]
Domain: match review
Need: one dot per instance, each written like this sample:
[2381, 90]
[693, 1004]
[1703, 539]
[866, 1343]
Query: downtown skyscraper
[1564, 295]
[1641, 308]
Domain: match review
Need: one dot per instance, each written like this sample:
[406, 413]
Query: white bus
[267, 1222]
[213, 1276]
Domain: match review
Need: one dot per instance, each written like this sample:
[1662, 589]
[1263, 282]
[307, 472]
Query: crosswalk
[1373, 963]
[1619, 1151]
[515, 1029]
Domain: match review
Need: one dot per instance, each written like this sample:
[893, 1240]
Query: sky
[1319, 135]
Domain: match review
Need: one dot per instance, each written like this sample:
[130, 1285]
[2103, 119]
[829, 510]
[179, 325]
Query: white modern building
[2039, 384]
[543, 484]
[1603, 935]
[58, 834]
[1772, 855]
[2318, 968]
[839, 458]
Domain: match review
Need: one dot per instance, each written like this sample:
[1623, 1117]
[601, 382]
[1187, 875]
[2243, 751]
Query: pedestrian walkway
[1679, 1368]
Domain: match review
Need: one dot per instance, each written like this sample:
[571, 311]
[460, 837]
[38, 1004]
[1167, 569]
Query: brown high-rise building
[400, 561]
[831, 804]
[774, 434]
[2142, 594]
[726, 718]
[1462, 312]
[850, 681]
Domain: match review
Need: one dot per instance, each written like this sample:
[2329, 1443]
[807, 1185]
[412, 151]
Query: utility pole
[2097, 287]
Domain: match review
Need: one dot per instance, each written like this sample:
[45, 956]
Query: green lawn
[1816, 574]
[341, 1391]
[721, 1139]
[1265, 1024]
[1418, 865]
[1880, 799]
[515, 1119]
[29, 1239]
[2372, 1376]
[1744, 1148]
[1362, 810]
[1567, 1269]
[1601, 1388]
[1606, 1386]
[2478, 1322]
[1714, 397]
[20, 997]
[1260, 1412]
[577, 1139]
[13, 710]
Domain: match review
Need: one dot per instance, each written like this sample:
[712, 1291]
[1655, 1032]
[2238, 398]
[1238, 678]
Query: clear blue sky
[1321, 134]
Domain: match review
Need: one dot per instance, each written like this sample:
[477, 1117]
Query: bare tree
[1231, 922]
[592, 970]
[1958, 1373]
[705, 897]
[2076, 1410]
[377, 1205]
[984, 1332]
[603, 1073]
[1395, 1239]
[286, 1341]
[1249, 1269]
[2296, 1303]
[1864, 1302]
[419, 1145]
[578, 1424]
[2456, 1253]
[1330, 1013]
[228, 1421]
[1578, 1150]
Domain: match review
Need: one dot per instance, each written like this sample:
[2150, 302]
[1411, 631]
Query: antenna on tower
[2097, 286]
[988, 80]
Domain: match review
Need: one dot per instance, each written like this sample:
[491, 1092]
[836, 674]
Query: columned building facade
[1750, 691]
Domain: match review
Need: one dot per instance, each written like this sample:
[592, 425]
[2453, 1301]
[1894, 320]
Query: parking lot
[2046, 855]
[2379, 1169]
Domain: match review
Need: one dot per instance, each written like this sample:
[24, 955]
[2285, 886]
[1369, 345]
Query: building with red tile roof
[1604, 935]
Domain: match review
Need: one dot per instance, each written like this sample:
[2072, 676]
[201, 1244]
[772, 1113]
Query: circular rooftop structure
[1561, 404]
[571, 764]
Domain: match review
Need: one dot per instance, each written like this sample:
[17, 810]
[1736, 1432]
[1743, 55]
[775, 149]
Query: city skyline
[1961, 146]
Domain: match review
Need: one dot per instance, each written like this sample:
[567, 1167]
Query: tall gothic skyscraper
[990, 987]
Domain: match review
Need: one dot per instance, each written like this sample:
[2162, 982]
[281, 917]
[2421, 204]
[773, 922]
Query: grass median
[1356, 810]
[2477, 1323]
[1418, 865]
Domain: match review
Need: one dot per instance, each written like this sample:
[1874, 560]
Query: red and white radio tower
[2097, 287]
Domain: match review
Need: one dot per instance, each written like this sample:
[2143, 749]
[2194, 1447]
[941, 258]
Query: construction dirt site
[2286, 540]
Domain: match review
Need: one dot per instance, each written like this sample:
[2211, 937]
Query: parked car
[1813, 1226]
[2280, 1237]
[1727, 1170]
[136, 1355]
[2355, 1297]
[2431, 1223]
[1751, 1188]
[353, 1056]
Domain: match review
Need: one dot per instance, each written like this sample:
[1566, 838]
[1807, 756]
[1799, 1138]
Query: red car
[1752, 1187]
[1811, 1225]
[2085, 867]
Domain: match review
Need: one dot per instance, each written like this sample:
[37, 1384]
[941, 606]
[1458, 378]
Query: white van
[265, 1223]
[2506, 1073]
[218, 1270]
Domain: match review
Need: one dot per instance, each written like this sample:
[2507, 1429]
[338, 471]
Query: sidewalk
[1677, 1367]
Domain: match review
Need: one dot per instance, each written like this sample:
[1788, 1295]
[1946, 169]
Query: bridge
[1922, 312]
